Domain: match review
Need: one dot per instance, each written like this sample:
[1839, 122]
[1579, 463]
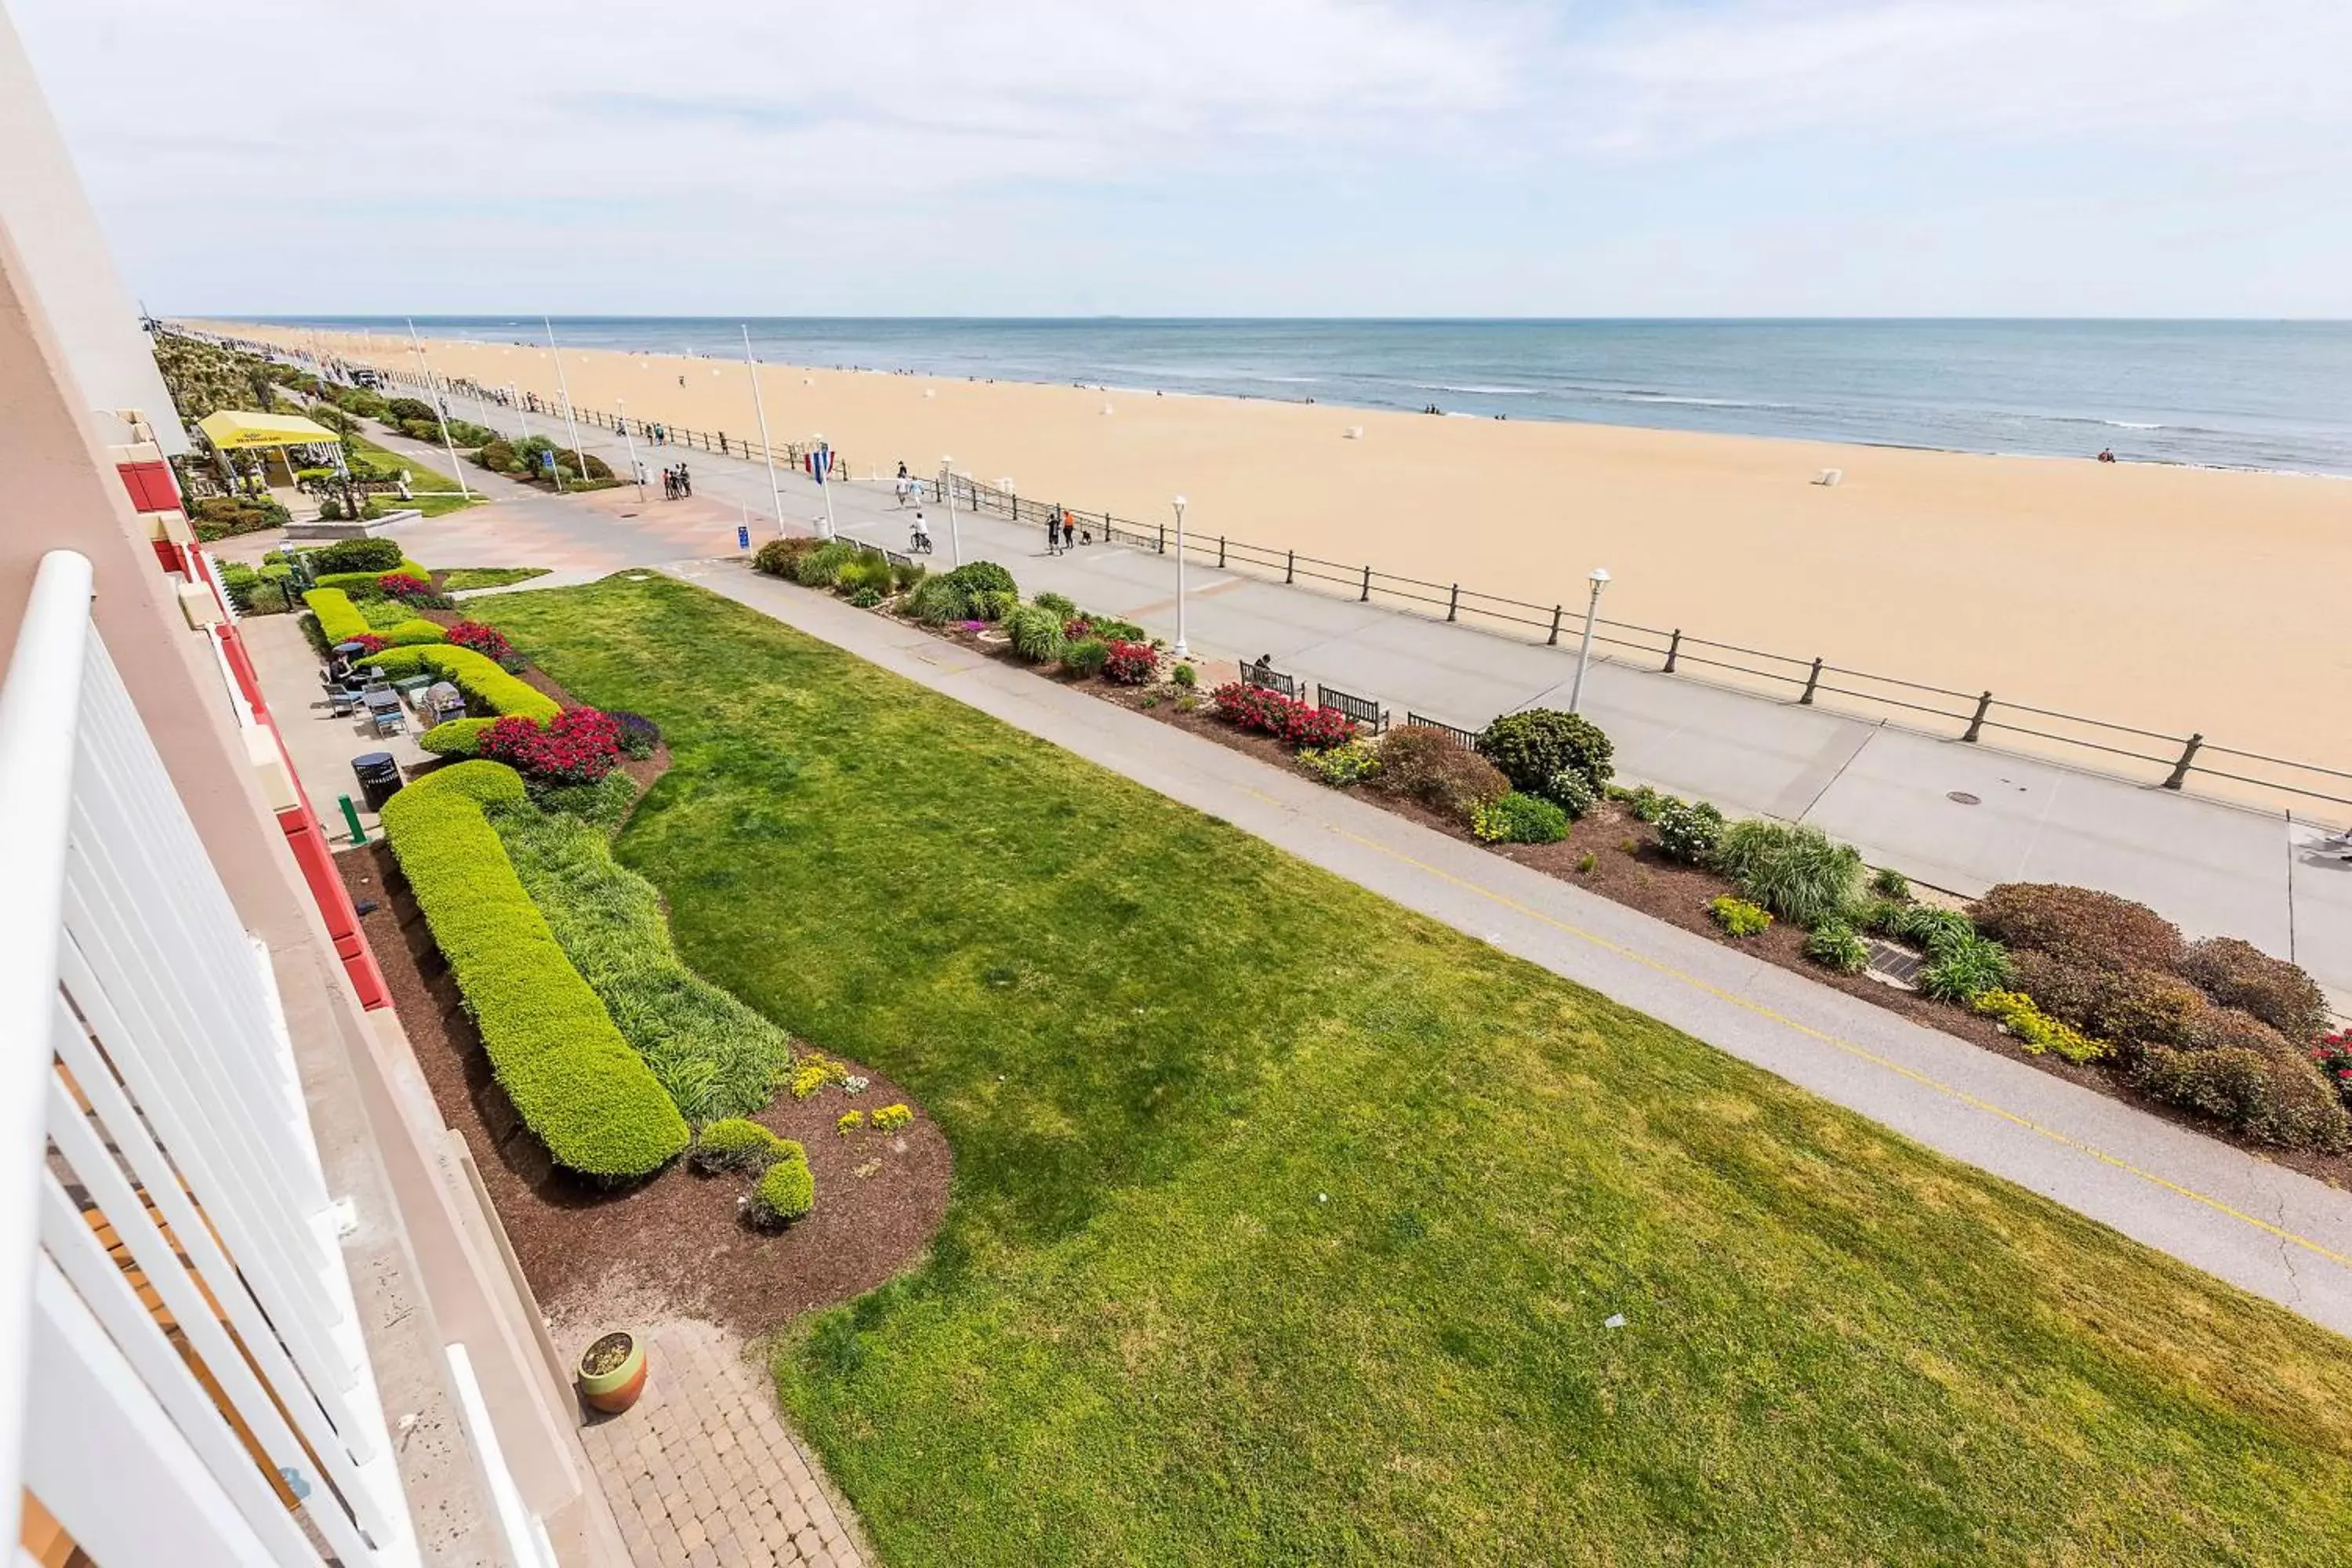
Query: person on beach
[1053, 536]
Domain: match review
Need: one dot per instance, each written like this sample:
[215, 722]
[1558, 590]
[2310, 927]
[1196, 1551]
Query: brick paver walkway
[702, 1470]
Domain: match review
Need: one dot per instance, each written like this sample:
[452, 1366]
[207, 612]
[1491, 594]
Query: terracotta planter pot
[615, 1387]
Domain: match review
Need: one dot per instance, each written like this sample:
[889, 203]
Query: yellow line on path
[2216, 1204]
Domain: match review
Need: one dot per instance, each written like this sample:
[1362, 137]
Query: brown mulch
[680, 1236]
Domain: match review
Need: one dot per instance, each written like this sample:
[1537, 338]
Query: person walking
[1069, 532]
[1054, 535]
[685, 482]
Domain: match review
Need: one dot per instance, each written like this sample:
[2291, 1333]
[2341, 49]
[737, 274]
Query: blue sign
[742, 538]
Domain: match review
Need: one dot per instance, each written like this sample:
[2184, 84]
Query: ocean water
[2243, 394]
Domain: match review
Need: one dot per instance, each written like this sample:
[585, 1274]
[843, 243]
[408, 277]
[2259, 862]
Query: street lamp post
[1584, 648]
[1180, 650]
[440, 409]
[570, 423]
[947, 488]
[823, 467]
[514, 395]
[636, 474]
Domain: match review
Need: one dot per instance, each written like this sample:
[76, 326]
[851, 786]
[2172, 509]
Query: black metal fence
[1969, 716]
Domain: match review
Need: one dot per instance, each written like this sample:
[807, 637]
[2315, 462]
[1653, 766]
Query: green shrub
[821, 567]
[1643, 802]
[1061, 605]
[1924, 927]
[1035, 633]
[1833, 945]
[454, 737]
[734, 1144]
[983, 577]
[1889, 883]
[1688, 832]
[934, 600]
[355, 555]
[466, 433]
[905, 574]
[1532, 746]
[1351, 763]
[413, 410]
[777, 556]
[867, 574]
[1965, 968]
[890, 1118]
[498, 457]
[989, 604]
[865, 599]
[553, 1048]
[1737, 917]
[2080, 925]
[1519, 819]
[786, 1191]
[1798, 872]
[1086, 657]
[2036, 1030]
[478, 679]
[714, 1055]
[225, 517]
[2273, 1094]
[1186, 676]
[361, 401]
[1571, 791]
[1424, 765]
[2239, 974]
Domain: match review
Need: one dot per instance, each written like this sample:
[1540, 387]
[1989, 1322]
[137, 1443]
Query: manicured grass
[454, 578]
[1286, 1223]
[420, 480]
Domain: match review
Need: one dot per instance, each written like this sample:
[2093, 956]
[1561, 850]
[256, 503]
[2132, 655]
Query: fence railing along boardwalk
[155, 1127]
[2150, 755]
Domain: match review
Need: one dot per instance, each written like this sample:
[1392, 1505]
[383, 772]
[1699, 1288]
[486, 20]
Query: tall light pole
[1584, 648]
[514, 395]
[947, 488]
[440, 409]
[775, 495]
[1180, 650]
[637, 475]
[570, 423]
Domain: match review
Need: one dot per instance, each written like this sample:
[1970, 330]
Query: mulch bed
[681, 1236]
[1629, 868]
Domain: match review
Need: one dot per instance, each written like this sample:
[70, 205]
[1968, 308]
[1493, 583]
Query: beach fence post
[1163, 539]
[1556, 611]
[1976, 724]
[1453, 603]
[1812, 682]
[1366, 596]
[1220, 553]
[2180, 768]
[1290, 568]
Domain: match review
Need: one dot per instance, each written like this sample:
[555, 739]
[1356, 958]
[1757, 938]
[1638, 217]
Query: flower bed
[1286, 719]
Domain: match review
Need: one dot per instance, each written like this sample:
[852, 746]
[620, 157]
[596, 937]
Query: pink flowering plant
[404, 585]
[2333, 1056]
[488, 641]
[579, 745]
[1284, 717]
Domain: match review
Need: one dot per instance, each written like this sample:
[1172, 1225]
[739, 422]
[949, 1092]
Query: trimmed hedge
[340, 621]
[356, 555]
[480, 678]
[572, 1079]
[735, 1143]
[455, 737]
[786, 1190]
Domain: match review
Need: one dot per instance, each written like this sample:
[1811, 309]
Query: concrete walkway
[1955, 817]
[2269, 1230]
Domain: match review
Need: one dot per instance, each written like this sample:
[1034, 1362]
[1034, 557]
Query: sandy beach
[2170, 599]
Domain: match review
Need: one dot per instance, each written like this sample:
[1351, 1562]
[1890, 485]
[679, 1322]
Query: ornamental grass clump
[1964, 968]
[1798, 872]
[1035, 633]
[1833, 944]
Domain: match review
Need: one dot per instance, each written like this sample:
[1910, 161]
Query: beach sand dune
[2169, 599]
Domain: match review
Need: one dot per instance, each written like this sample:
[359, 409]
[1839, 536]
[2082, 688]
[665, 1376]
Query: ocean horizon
[2268, 395]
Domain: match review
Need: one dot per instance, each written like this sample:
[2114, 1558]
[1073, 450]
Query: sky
[1216, 157]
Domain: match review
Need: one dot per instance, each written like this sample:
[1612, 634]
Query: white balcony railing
[181, 1377]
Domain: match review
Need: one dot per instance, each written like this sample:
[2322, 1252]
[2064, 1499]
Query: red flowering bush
[2333, 1056]
[1131, 663]
[1285, 718]
[401, 585]
[488, 641]
[579, 745]
[371, 642]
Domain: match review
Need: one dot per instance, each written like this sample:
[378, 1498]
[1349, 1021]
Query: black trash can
[379, 777]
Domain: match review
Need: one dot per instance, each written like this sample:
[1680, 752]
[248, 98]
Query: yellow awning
[231, 432]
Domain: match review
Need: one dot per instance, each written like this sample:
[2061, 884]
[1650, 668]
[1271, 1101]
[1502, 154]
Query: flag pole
[569, 422]
[752, 368]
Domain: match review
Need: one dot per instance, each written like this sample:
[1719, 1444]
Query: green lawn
[1285, 1222]
[420, 479]
[454, 578]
